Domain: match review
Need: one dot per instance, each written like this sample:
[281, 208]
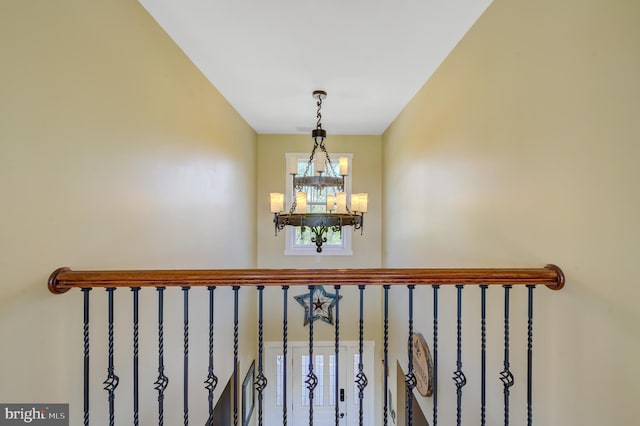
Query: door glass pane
[304, 370]
[332, 380]
[318, 395]
[318, 370]
[356, 369]
[279, 377]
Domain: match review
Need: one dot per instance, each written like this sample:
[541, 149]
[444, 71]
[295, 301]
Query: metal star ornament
[321, 305]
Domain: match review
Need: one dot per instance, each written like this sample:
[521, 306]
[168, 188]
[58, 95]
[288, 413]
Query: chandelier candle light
[319, 175]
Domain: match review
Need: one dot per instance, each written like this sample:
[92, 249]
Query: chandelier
[325, 180]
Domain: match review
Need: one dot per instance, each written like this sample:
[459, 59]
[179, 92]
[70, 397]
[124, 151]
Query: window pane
[279, 377]
[318, 394]
[332, 380]
[318, 370]
[356, 391]
[304, 370]
[317, 203]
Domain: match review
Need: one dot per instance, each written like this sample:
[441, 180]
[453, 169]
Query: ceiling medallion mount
[321, 187]
[320, 95]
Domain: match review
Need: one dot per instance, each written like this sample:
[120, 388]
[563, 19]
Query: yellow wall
[522, 150]
[116, 154]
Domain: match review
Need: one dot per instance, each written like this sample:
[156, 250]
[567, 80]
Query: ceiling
[267, 57]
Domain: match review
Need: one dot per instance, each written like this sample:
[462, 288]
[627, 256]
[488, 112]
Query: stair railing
[65, 279]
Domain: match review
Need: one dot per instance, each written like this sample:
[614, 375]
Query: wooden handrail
[64, 279]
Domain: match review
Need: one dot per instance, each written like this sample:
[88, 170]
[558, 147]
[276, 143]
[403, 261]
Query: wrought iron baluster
[111, 382]
[162, 381]
[435, 354]
[285, 325]
[261, 381]
[235, 354]
[185, 400]
[410, 377]
[312, 379]
[505, 375]
[212, 379]
[483, 360]
[385, 409]
[361, 378]
[85, 295]
[337, 357]
[530, 356]
[135, 291]
[458, 376]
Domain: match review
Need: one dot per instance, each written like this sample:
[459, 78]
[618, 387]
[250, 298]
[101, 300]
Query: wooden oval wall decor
[422, 365]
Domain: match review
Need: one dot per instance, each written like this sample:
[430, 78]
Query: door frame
[274, 348]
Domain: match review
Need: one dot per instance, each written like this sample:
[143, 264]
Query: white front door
[324, 397]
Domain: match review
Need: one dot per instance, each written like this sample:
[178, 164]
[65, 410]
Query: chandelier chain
[319, 114]
[311, 157]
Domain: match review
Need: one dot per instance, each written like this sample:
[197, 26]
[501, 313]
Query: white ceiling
[266, 57]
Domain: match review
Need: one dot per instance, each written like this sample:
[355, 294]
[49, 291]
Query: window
[298, 242]
[332, 380]
[279, 379]
[356, 370]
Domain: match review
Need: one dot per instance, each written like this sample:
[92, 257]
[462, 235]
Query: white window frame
[291, 248]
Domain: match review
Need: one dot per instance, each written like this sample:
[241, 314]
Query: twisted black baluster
[483, 370]
[85, 292]
[458, 376]
[212, 379]
[410, 378]
[235, 354]
[312, 379]
[285, 325]
[361, 378]
[135, 291]
[505, 375]
[261, 381]
[337, 357]
[111, 382]
[162, 381]
[385, 409]
[435, 354]
[530, 356]
[185, 400]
